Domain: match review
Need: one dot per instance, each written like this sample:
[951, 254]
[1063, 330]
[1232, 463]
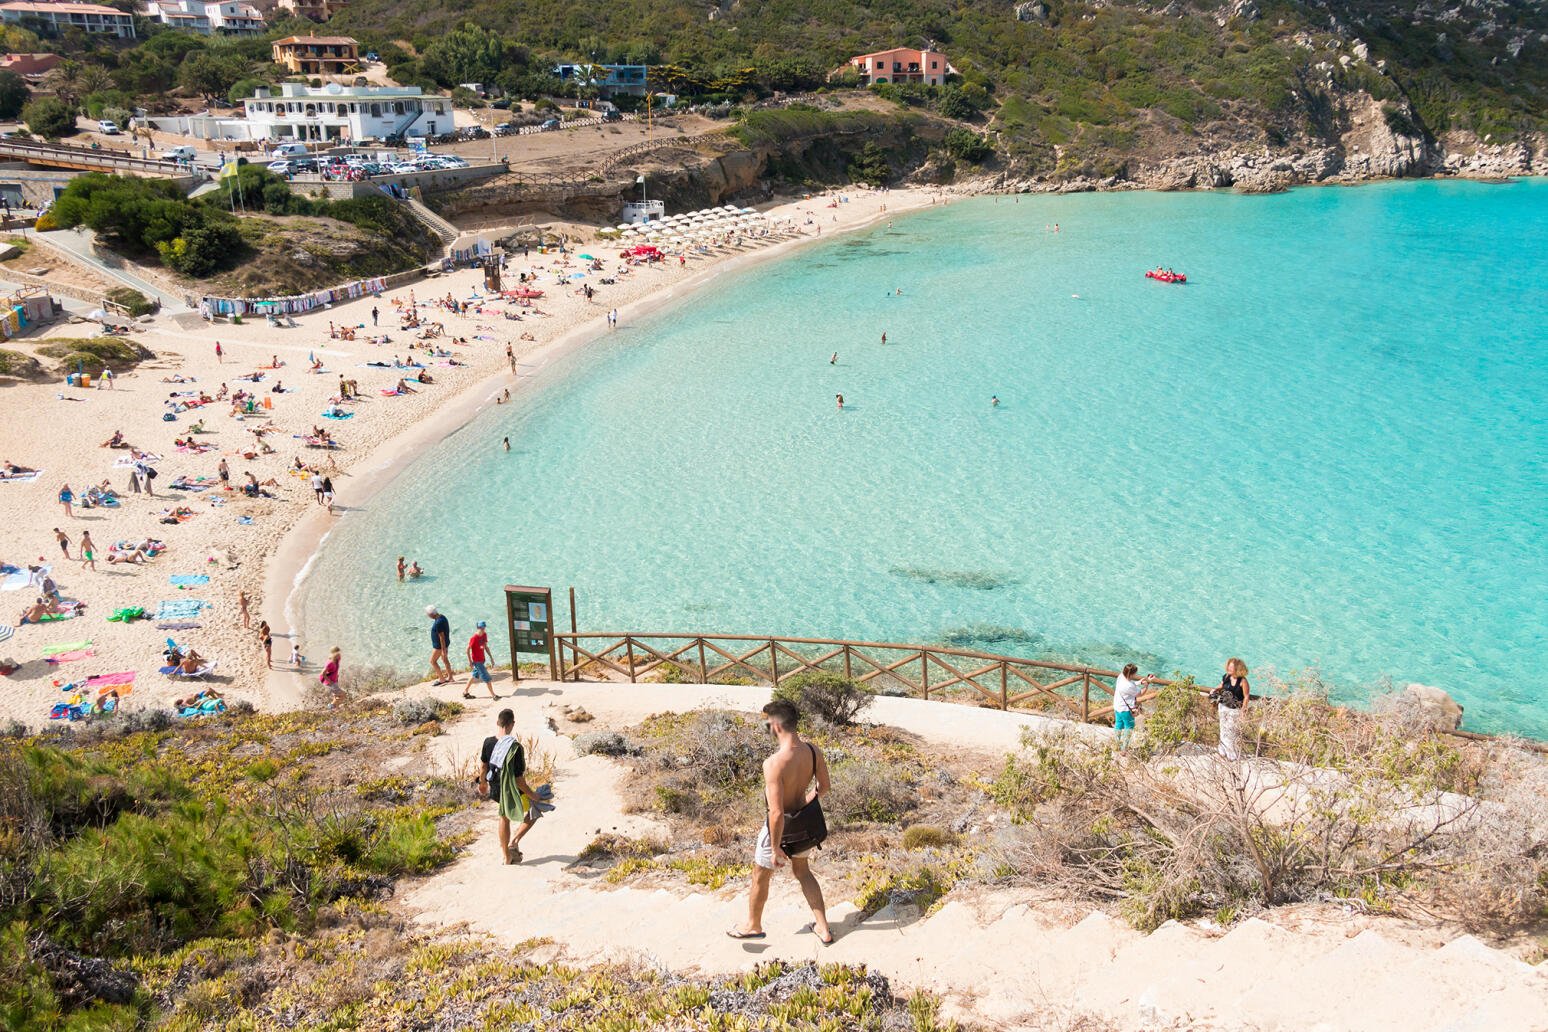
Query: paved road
[79, 245]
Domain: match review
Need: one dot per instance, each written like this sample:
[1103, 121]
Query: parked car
[108, 127]
[281, 167]
[506, 129]
[289, 150]
[552, 123]
[182, 153]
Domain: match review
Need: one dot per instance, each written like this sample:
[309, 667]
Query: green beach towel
[73, 646]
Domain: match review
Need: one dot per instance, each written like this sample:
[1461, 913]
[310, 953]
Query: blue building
[608, 79]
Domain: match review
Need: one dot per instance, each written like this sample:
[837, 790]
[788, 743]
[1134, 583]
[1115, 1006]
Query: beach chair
[200, 674]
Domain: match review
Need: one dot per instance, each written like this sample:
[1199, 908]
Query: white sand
[59, 430]
[997, 955]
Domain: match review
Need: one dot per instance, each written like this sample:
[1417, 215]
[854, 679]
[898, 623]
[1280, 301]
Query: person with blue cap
[478, 656]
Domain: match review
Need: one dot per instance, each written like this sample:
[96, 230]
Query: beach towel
[23, 578]
[181, 625]
[66, 711]
[74, 646]
[179, 609]
[109, 680]
[125, 462]
[70, 657]
[190, 579]
[21, 478]
[205, 706]
[338, 415]
[246, 521]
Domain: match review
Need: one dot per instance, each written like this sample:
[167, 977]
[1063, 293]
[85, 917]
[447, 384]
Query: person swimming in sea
[840, 399]
[994, 402]
[414, 570]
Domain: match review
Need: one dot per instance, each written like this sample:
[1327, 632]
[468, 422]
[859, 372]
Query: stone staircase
[437, 225]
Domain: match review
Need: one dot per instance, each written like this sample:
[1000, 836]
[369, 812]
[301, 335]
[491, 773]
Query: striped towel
[6, 630]
[188, 580]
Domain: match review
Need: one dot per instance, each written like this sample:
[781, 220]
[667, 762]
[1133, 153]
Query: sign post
[529, 616]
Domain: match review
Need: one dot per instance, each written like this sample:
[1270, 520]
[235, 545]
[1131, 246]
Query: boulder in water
[1436, 709]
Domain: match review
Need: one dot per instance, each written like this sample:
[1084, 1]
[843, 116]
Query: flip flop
[736, 934]
[829, 941]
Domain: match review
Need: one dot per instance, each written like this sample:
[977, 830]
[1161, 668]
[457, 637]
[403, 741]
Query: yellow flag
[227, 171]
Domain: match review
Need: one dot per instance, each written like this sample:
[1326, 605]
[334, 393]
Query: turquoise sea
[1329, 448]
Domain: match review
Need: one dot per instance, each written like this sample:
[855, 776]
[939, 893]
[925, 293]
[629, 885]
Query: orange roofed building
[903, 64]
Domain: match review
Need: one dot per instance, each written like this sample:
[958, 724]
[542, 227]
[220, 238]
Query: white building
[54, 16]
[207, 17]
[345, 114]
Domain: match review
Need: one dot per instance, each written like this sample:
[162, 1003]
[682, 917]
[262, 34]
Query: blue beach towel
[179, 609]
[188, 580]
[339, 415]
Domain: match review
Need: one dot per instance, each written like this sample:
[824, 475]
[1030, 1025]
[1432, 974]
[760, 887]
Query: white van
[289, 150]
[183, 153]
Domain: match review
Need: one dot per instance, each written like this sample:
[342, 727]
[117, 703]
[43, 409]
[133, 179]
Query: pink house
[902, 64]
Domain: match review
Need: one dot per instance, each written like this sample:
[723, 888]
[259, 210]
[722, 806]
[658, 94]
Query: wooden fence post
[1004, 692]
[1085, 697]
[848, 675]
[703, 670]
[924, 673]
[629, 648]
[773, 664]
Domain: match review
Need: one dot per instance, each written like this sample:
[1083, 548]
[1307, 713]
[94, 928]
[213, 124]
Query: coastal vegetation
[1373, 810]
[300, 239]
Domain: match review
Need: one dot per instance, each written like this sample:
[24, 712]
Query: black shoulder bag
[806, 828]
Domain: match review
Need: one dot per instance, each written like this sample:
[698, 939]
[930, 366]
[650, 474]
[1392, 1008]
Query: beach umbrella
[626, 225]
[98, 315]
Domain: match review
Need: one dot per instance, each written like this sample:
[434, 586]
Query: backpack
[150, 472]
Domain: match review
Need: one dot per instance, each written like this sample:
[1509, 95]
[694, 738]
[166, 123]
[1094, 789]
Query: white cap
[431, 611]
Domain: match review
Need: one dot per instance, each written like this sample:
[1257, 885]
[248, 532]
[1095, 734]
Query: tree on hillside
[49, 117]
[211, 75]
[13, 94]
[470, 54]
[65, 83]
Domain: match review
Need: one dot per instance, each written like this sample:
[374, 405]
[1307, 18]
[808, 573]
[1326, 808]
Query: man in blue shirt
[440, 640]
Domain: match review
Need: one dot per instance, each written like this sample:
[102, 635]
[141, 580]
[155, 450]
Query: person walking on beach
[374, 314]
[478, 655]
[242, 604]
[219, 353]
[795, 825]
[510, 357]
[88, 551]
[67, 496]
[1126, 693]
[504, 780]
[440, 640]
[1230, 704]
[266, 640]
[64, 541]
[329, 678]
[225, 473]
[327, 493]
[315, 483]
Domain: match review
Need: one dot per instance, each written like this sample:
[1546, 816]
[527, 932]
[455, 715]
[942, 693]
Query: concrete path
[995, 958]
[80, 246]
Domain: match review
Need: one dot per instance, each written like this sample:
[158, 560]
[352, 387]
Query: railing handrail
[842, 642]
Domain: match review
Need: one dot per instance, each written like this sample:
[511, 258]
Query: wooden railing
[921, 671]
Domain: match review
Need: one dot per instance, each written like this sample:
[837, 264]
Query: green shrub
[829, 697]
[18, 366]
[966, 145]
[1177, 715]
[92, 354]
[132, 301]
[49, 117]
[926, 836]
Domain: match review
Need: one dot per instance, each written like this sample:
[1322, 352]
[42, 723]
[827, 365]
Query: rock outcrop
[1433, 707]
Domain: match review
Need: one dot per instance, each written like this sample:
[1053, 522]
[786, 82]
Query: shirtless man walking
[787, 780]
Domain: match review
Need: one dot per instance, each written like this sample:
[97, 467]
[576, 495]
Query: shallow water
[1328, 448]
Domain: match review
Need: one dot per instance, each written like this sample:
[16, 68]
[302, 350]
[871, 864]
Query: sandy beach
[261, 546]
